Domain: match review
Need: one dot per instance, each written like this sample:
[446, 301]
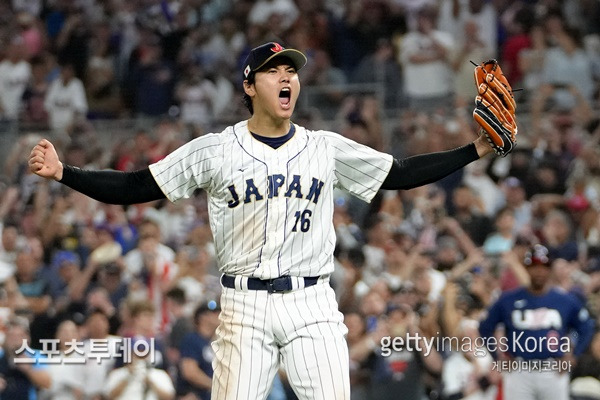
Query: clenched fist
[43, 161]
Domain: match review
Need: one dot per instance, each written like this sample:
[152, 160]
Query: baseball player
[270, 185]
[537, 350]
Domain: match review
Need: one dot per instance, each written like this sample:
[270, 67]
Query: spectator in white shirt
[96, 374]
[65, 100]
[139, 380]
[425, 60]
[263, 10]
[67, 375]
[196, 94]
[15, 74]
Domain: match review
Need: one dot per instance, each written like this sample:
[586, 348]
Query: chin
[286, 114]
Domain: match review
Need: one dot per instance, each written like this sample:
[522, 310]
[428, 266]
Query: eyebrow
[286, 66]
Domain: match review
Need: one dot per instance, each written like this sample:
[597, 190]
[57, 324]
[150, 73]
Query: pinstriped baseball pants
[302, 329]
[532, 385]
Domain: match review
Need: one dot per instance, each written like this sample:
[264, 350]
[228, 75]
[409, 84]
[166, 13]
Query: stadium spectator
[67, 376]
[196, 94]
[32, 285]
[468, 212]
[567, 75]
[503, 239]
[137, 152]
[65, 101]
[518, 41]
[72, 42]
[21, 381]
[321, 72]
[402, 373]
[15, 73]
[514, 193]
[151, 268]
[10, 243]
[557, 234]
[380, 66]
[568, 276]
[101, 79]
[425, 61]
[264, 11]
[61, 274]
[585, 377]
[180, 326]
[477, 179]
[531, 60]
[139, 379]
[470, 46]
[351, 288]
[151, 81]
[195, 278]
[195, 366]
[96, 328]
[362, 348]
[466, 373]
[34, 111]
[378, 237]
[32, 33]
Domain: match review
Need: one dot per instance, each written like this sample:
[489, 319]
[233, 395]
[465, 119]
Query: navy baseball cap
[64, 256]
[262, 54]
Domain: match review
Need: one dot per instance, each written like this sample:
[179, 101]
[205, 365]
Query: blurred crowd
[428, 260]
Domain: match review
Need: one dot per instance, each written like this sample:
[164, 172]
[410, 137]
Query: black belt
[276, 285]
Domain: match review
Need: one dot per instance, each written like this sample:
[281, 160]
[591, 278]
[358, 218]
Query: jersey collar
[258, 149]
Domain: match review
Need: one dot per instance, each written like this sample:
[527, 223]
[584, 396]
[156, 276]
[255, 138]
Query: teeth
[285, 92]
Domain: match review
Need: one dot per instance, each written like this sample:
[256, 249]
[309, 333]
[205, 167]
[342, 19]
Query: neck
[205, 332]
[537, 291]
[268, 126]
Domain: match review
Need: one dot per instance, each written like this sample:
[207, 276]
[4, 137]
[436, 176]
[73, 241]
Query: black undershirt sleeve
[420, 170]
[113, 187]
[116, 187]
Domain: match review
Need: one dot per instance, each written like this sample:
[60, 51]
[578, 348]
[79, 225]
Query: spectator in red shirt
[518, 40]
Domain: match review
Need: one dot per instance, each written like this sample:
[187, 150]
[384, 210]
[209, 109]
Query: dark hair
[95, 311]
[526, 18]
[177, 295]
[37, 60]
[247, 99]
[210, 306]
[575, 35]
[356, 256]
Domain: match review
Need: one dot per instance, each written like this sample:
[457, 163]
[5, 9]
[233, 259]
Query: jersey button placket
[279, 204]
[277, 214]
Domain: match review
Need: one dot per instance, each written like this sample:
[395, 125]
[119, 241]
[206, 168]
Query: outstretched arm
[422, 169]
[113, 187]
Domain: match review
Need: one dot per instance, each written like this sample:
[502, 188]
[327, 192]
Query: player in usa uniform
[537, 323]
[270, 186]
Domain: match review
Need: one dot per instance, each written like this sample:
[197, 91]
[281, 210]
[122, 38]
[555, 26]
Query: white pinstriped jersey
[271, 209]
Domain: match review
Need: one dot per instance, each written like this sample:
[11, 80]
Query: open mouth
[285, 96]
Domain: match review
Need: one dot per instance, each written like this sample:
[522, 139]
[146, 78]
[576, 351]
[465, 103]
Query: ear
[249, 88]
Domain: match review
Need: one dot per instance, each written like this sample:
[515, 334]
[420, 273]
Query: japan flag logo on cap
[247, 71]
